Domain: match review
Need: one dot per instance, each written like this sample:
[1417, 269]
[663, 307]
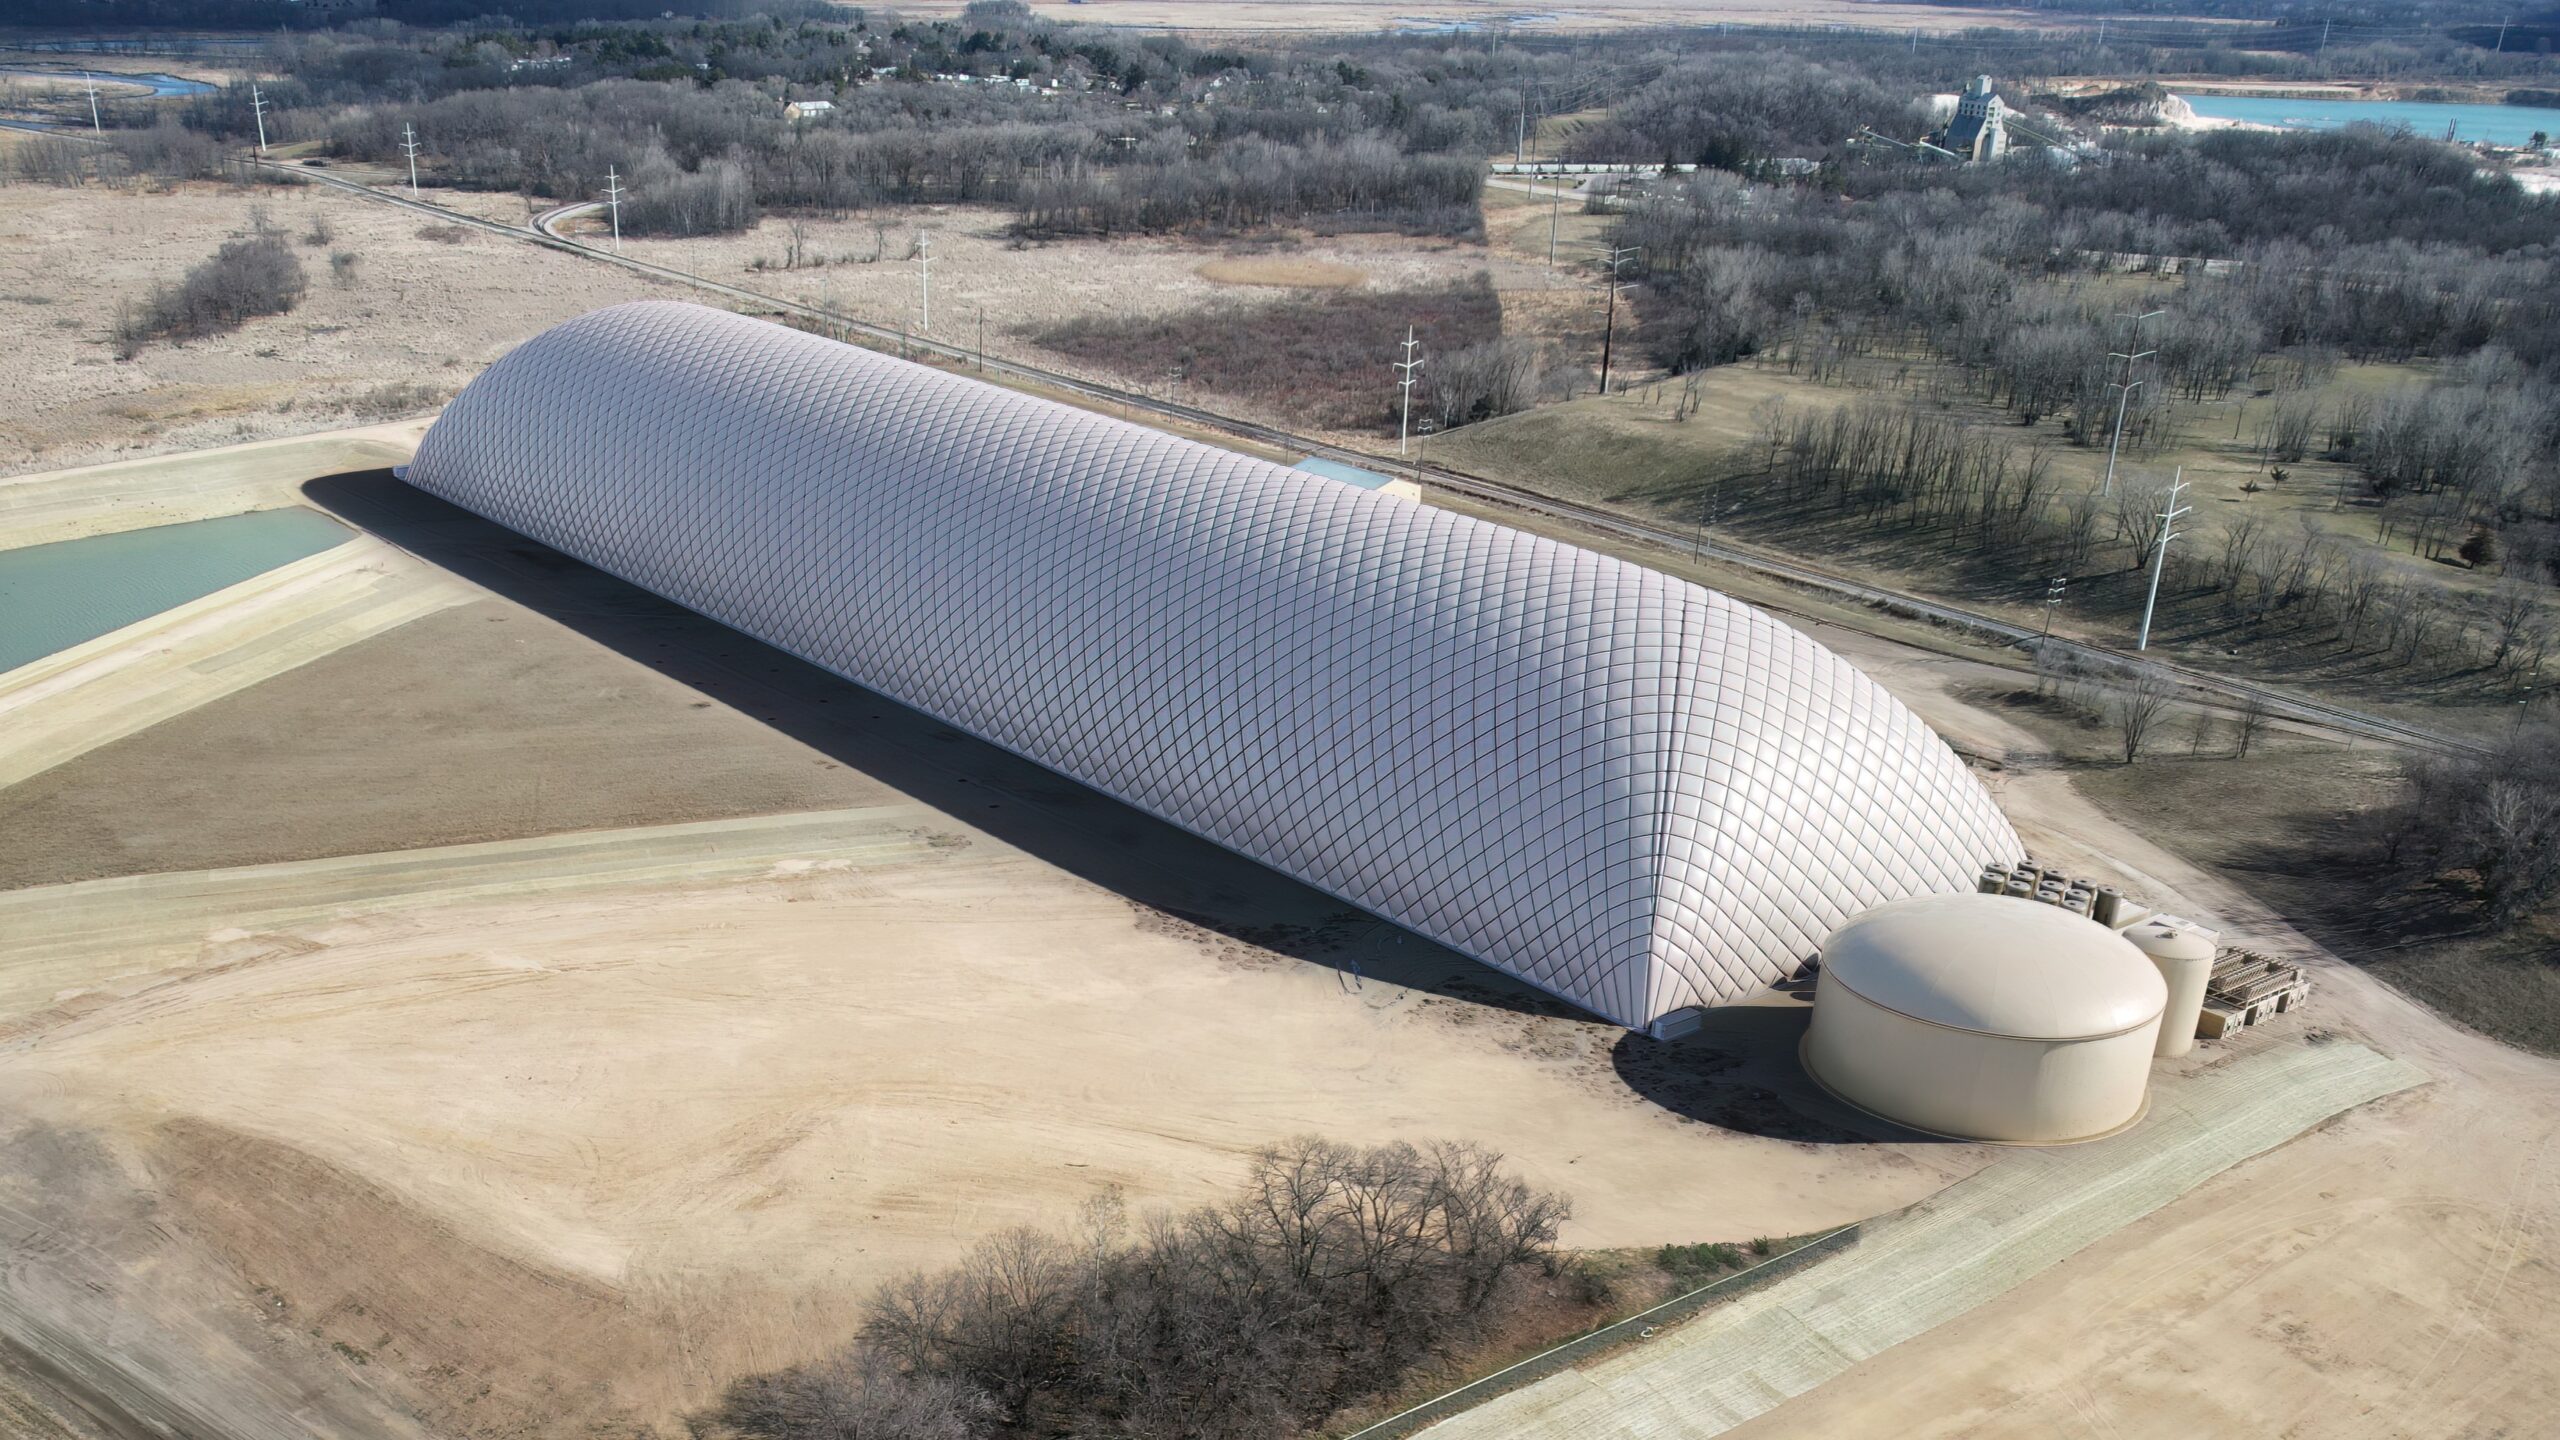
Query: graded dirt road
[1908, 1274]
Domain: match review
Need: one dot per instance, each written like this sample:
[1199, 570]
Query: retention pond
[53, 597]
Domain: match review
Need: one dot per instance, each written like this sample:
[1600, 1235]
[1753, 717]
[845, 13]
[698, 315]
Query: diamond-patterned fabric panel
[1632, 792]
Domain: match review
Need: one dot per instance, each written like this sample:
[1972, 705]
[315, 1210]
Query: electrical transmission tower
[613, 193]
[2169, 514]
[2124, 395]
[1404, 382]
[409, 145]
[257, 106]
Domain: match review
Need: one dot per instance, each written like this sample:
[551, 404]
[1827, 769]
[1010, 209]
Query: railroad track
[2281, 703]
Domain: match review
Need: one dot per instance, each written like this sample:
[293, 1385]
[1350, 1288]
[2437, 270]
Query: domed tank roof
[2171, 939]
[1996, 965]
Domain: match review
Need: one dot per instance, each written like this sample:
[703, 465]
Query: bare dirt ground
[538, 1158]
[474, 723]
[677, 1122]
[2391, 1274]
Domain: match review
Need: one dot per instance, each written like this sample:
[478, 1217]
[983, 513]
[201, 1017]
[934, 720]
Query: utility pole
[924, 273]
[2324, 35]
[613, 193]
[982, 339]
[2124, 395]
[2501, 48]
[2169, 514]
[92, 82]
[409, 143]
[1404, 382]
[257, 106]
[1520, 140]
[1555, 212]
[1609, 332]
[2053, 589]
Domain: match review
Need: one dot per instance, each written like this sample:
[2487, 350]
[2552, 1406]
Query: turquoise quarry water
[2497, 124]
[53, 597]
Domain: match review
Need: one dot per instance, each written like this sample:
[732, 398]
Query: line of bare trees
[1897, 469]
[1255, 183]
[1331, 1276]
[2493, 820]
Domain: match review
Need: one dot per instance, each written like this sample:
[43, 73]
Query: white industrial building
[1632, 792]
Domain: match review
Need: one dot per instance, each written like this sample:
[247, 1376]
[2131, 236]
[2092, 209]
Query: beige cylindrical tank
[2184, 956]
[1984, 1017]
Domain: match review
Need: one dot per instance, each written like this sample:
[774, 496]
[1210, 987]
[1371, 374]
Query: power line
[2125, 395]
[1404, 370]
[924, 275]
[613, 193]
[2169, 514]
[1609, 333]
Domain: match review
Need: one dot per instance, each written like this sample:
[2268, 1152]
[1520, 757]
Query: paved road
[2285, 704]
[1962, 1247]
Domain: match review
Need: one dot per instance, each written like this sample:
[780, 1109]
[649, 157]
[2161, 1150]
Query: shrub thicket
[255, 275]
[1332, 1275]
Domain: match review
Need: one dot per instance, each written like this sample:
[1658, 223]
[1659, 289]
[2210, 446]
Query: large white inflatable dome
[1632, 792]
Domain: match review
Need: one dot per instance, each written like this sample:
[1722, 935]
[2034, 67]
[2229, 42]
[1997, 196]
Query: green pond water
[53, 597]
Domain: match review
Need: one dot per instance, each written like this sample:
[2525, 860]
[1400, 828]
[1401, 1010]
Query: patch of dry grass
[1282, 270]
[1321, 355]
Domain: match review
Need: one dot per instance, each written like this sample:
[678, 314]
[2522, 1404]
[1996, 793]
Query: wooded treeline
[1329, 1278]
[2357, 245]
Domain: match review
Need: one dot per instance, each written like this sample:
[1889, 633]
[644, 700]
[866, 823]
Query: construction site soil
[412, 1110]
[539, 1035]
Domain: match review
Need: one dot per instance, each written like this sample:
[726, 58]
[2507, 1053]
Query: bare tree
[2140, 700]
[2240, 536]
[2513, 609]
[2252, 722]
[1331, 1276]
[855, 1395]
